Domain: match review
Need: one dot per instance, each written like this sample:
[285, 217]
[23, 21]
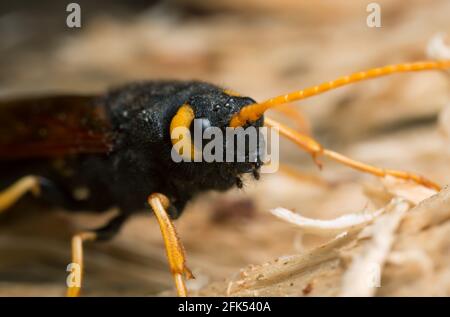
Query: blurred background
[257, 48]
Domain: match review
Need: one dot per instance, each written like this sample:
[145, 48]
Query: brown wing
[53, 127]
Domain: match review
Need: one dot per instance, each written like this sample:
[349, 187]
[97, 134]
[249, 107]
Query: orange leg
[303, 177]
[76, 268]
[291, 111]
[13, 193]
[315, 149]
[174, 248]
[74, 288]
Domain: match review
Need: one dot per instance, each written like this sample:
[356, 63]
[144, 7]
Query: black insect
[116, 149]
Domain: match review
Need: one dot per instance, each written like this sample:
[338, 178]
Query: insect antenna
[253, 112]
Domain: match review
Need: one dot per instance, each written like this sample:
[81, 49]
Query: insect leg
[14, 192]
[77, 258]
[315, 149]
[303, 177]
[174, 248]
[102, 234]
[292, 112]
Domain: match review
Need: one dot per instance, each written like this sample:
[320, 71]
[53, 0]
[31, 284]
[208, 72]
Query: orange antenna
[253, 112]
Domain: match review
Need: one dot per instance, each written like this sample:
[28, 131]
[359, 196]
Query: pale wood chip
[327, 227]
[429, 212]
[364, 274]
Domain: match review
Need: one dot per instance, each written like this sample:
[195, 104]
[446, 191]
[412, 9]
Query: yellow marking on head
[183, 119]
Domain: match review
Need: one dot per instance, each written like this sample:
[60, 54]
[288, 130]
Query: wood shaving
[364, 274]
[391, 187]
[438, 48]
[415, 257]
[409, 191]
[327, 227]
[430, 212]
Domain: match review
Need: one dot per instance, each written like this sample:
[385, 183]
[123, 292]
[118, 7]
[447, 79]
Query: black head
[212, 109]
